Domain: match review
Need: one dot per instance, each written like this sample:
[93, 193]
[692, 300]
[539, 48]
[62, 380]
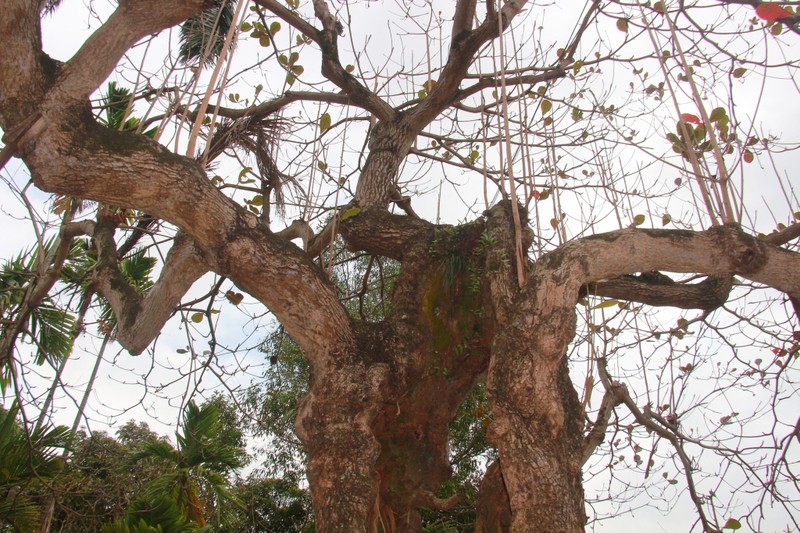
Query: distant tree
[195, 475]
[270, 504]
[100, 481]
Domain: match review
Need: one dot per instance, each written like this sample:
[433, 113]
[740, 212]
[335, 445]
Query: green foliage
[48, 326]
[116, 102]
[154, 516]
[272, 505]
[194, 474]
[272, 406]
[26, 460]
[99, 482]
[469, 452]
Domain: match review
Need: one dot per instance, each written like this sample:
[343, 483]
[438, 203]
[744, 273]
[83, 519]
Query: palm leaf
[24, 461]
[55, 336]
[206, 30]
[258, 137]
[154, 516]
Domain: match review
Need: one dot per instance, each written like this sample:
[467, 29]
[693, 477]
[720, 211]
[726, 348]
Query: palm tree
[25, 461]
[195, 474]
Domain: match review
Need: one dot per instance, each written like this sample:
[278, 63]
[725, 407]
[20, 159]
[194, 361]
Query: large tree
[473, 100]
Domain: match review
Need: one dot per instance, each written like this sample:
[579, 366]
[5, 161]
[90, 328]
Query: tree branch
[140, 318]
[664, 430]
[292, 18]
[276, 104]
[722, 250]
[131, 21]
[658, 290]
[611, 399]
[462, 53]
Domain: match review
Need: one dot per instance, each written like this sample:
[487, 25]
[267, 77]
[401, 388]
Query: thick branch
[724, 250]
[140, 318]
[661, 291]
[379, 232]
[611, 399]
[132, 20]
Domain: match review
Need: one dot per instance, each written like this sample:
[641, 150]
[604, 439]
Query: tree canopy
[572, 226]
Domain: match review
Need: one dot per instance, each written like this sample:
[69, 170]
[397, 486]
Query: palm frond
[154, 516]
[156, 449]
[258, 137]
[24, 461]
[55, 336]
[48, 7]
[116, 102]
[137, 268]
[206, 31]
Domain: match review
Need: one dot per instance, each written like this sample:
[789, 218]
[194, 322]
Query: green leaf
[274, 28]
[717, 113]
[350, 213]
[732, 523]
[606, 304]
[638, 220]
[197, 317]
[324, 122]
[546, 106]
[700, 133]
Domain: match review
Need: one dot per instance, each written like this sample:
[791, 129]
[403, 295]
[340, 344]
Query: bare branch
[665, 430]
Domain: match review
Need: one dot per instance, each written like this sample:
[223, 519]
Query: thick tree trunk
[541, 468]
[492, 506]
[334, 421]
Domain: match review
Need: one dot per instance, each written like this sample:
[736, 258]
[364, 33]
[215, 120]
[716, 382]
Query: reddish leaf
[688, 117]
[771, 11]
